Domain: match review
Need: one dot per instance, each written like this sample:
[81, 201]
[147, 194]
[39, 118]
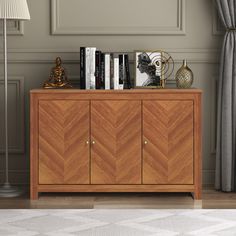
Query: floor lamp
[10, 10]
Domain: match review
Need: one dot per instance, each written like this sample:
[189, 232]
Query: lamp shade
[14, 9]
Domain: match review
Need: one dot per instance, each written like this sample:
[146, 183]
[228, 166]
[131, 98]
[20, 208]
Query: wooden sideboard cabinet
[115, 141]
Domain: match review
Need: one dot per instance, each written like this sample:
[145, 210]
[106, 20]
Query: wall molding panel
[16, 177]
[72, 27]
[13, 28]
[208, 177]
[15, 115]
[187, 29]
[70, 56]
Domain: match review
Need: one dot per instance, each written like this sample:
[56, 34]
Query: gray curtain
[226, 114]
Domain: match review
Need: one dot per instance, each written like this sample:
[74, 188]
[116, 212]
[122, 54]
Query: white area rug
[117, 222]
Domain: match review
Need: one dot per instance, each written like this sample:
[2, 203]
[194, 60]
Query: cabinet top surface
[126, 91]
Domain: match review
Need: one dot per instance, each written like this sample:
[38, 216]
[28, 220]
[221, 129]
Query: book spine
[98, 70]
[112, 71]
[121, 71]
[87, 68]
[82, 68]
[127, 73]
[93, 68]
[102, 71]
[116, 73]
[107, 71]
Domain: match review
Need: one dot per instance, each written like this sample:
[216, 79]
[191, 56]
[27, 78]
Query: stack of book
[100, 70]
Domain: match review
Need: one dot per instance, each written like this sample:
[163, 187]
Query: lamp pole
[6, 190]
[9, 10]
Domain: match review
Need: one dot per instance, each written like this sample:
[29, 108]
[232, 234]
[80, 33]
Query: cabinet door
[116, 142]
[168, 142]
[63, 136]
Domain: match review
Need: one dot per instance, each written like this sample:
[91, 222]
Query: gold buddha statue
[58, 78]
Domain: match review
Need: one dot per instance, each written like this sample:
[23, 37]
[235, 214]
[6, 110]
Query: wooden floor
[211, 199]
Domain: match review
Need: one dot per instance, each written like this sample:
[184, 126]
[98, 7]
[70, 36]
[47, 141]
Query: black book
[127, 72]
[102, 75]
[112, 71]
[121, 70]
[98, 69]
[82, 68]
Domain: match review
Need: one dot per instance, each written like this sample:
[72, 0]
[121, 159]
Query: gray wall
[185, 28]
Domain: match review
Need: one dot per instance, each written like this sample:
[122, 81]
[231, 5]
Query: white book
[93, 68]
[116, 73]
[107, 71]
[87, 67]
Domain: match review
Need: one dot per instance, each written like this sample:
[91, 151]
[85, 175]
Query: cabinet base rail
[115, 188]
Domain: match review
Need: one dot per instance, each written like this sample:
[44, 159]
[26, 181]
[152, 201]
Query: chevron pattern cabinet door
[168, 142]
[63, 133]
[116, 131]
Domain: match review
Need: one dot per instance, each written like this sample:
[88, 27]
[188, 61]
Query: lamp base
[9, 191]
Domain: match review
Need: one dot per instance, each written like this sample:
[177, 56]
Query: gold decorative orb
[184, 77]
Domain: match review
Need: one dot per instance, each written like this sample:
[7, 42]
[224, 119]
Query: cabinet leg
[197, 195]
[34, 195]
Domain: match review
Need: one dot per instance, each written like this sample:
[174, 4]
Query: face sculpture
[145, 65]
[143, 62]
